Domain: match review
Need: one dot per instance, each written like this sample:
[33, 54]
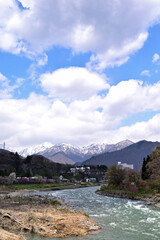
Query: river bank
[152, 200]
[43, 187]
[47, 217]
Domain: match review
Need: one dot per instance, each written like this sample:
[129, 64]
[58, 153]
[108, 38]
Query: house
[125, 165]
[91, 179]
[80, 169]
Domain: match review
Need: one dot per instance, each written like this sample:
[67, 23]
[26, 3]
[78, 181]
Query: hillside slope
[80, 154]
[61, 158]
[33, 165]
[132, 154]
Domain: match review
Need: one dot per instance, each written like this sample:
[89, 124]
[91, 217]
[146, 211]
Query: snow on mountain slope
[133, 154]
[8, 148]
[35, 149]
[68, 148]
[120, 145]
[64, 147]
[96, 148]
[80, 154]
[74, 153]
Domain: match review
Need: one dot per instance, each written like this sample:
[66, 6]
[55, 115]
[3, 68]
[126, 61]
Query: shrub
[55, 202]
[133, 188]
[103, 188]
[115, 175]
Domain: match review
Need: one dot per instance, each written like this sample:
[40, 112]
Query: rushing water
[120, 219]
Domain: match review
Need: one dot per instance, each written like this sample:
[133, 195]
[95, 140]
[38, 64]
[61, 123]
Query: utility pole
[4, 145]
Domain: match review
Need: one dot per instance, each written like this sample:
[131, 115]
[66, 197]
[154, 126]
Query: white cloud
[110, 30]
[72, 83]
[117, 55]
[145, 73]
[3, 79]
[38, 119]
[148, 130]
[7, 90]
[131, 97]
[155, 58]
[42, 60]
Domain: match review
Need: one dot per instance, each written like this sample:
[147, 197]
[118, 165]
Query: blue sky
[79, 72]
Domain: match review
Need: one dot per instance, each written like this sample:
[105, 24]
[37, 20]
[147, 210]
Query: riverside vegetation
[127, 183]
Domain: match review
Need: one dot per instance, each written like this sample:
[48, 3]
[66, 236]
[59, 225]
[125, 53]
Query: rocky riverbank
[152, 200]
[43, 216]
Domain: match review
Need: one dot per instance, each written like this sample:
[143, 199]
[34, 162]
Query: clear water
[120, 219]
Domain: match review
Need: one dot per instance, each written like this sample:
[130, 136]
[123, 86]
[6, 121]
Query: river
[120, 219]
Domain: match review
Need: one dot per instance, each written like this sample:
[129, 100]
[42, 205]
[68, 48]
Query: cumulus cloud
[147, 130]
[155, 57]
[111, 31]
[131, 97]
[115, 54]
[145, 73]
[72, 83]
[38, 118]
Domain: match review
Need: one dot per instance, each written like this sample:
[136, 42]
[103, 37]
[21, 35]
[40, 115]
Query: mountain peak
[74, 153]
[35, 149]
[132, 154]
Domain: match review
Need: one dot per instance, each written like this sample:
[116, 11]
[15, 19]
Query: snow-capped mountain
[34, 149]
[8, 148]
[85, 150]
[133, 154]
[120, 145]
[64, 147]
[80, 154]
[73, 153]
[96, 148]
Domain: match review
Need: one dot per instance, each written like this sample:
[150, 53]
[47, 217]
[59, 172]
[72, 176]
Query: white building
[79, 169]
[125, 165]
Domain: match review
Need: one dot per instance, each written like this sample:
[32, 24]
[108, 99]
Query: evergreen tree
[144, 173]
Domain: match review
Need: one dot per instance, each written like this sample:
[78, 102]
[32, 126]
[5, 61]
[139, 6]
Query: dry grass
[47, 221]
[43, 216]
[4, 235]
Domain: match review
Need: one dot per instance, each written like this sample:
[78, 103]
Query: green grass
[42, 186]
[140, 193]
[39, 186]
[85, 214]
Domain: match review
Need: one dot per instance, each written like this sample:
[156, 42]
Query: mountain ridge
[133, 154]
[69, 151]
[80, 154]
